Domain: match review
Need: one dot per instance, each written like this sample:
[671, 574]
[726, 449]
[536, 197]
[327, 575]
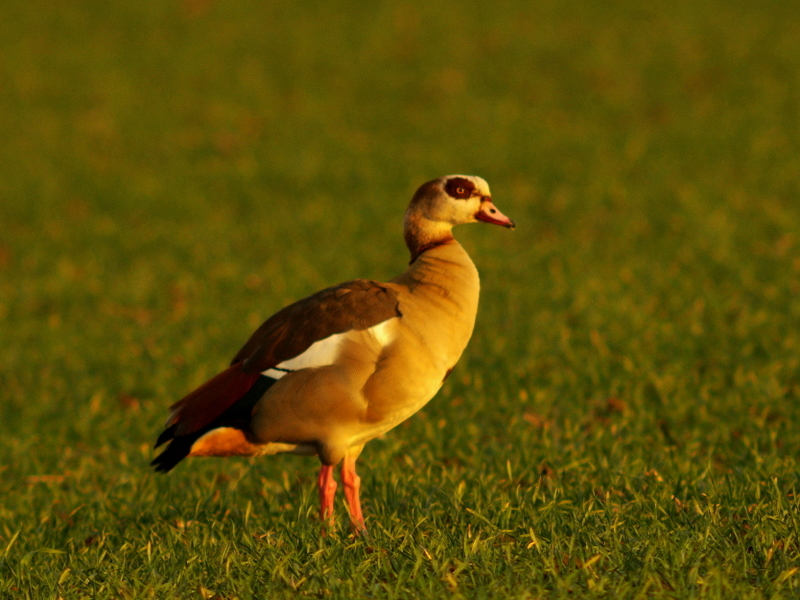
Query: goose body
[327, 374]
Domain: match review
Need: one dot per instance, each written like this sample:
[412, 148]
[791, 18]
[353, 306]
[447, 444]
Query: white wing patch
[319, 354]
[385, 332]
[326, 351]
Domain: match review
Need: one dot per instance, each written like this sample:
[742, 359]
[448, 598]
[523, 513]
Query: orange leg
[327, 492]
[352, 487]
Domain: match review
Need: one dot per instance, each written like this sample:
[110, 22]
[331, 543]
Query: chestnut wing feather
[358, 304]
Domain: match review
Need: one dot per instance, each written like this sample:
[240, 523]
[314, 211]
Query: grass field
[625, 422]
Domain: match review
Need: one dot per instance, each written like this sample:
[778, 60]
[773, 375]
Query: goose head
[440, 204]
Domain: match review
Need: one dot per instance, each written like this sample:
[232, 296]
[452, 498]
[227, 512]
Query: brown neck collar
[415, 252]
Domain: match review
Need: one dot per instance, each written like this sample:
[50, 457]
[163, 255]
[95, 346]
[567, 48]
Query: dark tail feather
[237, 415]
[166, 435]
[177, 450]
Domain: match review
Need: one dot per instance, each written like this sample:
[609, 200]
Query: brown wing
[358, 304]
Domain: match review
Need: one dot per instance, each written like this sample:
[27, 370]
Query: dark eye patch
[459, 188]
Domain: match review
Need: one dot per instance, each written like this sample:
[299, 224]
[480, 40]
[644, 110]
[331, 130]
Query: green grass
[625, 422]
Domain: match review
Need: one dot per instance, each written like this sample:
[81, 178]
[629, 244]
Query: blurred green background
[171, 173]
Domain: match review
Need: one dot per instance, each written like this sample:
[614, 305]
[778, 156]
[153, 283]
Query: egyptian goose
[327, 374]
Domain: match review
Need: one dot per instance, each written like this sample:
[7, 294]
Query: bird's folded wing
[353, 305]
[358, 304]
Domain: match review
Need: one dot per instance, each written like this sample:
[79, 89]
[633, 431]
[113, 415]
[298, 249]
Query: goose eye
[459, 188]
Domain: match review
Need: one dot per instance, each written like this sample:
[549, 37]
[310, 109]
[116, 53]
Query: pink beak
[489, 214]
